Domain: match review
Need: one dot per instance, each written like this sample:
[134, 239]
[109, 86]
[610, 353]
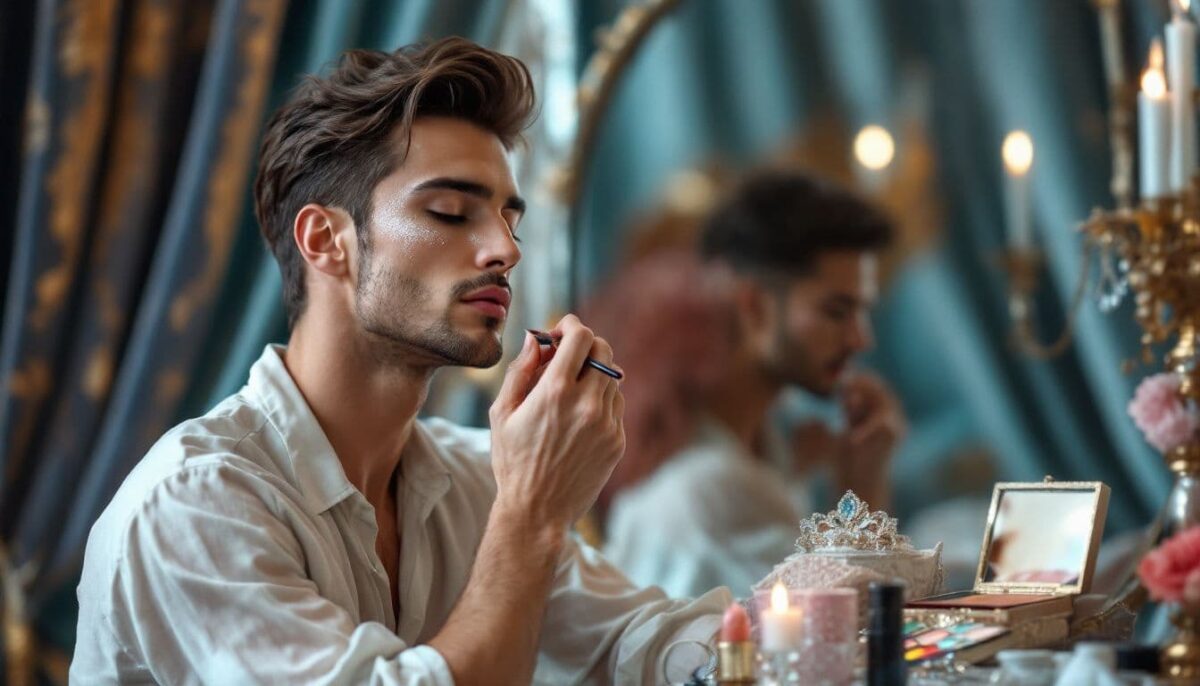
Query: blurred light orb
[874, 147]
[1018, 153]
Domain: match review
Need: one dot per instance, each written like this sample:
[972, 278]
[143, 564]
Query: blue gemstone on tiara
[847, 506]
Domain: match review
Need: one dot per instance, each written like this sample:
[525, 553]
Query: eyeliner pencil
[544, 338]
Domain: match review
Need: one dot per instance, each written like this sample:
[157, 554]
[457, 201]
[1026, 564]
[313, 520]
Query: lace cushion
[921, 570]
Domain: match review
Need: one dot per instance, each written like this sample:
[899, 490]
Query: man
[308, 529]
[798, 260]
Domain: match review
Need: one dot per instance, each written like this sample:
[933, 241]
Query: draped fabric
[137, 291]
[140, 120]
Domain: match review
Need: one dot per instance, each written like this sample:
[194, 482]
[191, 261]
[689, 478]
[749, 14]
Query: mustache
[463, 288]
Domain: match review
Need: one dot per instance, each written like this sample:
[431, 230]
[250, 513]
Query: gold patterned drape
[140, 119]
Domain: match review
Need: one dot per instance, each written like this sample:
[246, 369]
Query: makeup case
[1038, 556]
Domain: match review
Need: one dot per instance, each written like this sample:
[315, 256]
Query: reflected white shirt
[238, 552]
[711, 515]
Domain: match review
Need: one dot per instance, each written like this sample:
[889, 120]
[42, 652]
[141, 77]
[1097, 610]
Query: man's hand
[557, 429]
[557, 433]
[874, 427]
[859, 454]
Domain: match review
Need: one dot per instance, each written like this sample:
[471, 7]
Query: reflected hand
[875, 425]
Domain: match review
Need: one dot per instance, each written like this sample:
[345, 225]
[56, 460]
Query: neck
[365, 406]
[741, 400]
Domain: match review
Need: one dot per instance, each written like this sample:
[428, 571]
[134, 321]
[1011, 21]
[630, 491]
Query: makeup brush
[544, 338]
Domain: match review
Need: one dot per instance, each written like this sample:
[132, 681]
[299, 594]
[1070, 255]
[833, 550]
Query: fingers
[612, 390]
[601, 352]
[875, 439]
[865, 397]
[522, 374]
[573, 349]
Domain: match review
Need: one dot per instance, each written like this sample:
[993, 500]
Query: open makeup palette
[1038, 554]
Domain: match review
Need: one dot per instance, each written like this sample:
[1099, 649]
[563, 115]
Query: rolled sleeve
[601, 628]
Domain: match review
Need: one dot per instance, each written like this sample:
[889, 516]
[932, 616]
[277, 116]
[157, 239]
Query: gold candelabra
[1149, 251]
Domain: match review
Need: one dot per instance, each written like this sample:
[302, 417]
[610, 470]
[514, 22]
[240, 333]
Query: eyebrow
[514, 202]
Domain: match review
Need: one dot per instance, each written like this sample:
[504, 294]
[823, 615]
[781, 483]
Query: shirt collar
[423, 465]
[315, 467]
[713, 432]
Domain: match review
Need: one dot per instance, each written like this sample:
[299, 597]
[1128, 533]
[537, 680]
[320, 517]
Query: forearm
[492, 634]
[872, 484]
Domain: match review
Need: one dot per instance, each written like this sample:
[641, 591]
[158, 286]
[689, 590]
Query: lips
[836, 369]
[492, 301]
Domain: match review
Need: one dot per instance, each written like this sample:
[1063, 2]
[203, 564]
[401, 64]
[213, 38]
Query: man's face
[820, 321]
[433, 282]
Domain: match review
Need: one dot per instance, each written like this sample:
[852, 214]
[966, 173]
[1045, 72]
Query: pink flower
[1161, 414]
[1171, 572]
[1191, 588]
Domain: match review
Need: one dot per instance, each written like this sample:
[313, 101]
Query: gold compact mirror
[1042, 537]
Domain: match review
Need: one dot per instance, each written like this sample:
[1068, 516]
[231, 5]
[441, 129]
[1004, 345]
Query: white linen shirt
[711, 515]
[237, 552]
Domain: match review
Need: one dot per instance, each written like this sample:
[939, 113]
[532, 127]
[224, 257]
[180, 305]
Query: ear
[325, 238]
[753, 305]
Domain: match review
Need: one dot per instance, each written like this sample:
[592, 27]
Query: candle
[1017, 152]
[1110, 38]
[781, 623]
[1154, 133]
[1181, 78]
[830, 635]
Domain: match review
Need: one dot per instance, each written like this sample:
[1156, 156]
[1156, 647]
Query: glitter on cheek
[409, 233]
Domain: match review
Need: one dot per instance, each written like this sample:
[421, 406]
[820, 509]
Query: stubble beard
[791, 364]
[388, 306]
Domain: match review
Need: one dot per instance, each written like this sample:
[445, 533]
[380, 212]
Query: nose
[498, 248]
[860, 336]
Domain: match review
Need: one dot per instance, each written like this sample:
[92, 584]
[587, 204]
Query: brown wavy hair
[671, 326]
[331, 142]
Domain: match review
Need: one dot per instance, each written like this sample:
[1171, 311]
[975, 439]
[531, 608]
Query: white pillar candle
[782, 628]
[1017, 152]
[1181, 79]
[1154, 132]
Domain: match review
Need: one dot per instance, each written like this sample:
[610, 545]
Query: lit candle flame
[1156, 54]
[1154, 82]
[1017, 152]
[1181, 6]
[779, 598]
[874, 147]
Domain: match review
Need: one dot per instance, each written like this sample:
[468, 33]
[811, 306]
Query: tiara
[852, 525]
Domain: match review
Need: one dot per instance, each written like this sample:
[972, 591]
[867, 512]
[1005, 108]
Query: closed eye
[448, 218]
[838, 313]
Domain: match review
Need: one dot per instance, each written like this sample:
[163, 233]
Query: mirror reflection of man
[308, 529]
[801, 259]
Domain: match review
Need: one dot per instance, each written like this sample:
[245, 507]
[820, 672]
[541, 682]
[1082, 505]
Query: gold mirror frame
[617, 47]
[1100, 495]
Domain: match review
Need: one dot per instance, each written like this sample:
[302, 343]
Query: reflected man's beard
[791, 363]
[389, 305]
